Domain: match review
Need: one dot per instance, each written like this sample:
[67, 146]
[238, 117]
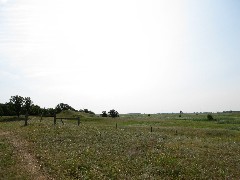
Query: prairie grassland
[9, 161]
[187, 147]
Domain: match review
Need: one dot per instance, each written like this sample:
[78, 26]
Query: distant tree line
[86, 111]
[19, 105]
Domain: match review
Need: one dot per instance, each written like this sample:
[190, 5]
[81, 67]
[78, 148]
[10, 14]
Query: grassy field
[162, 146]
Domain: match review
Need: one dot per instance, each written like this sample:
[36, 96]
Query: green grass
[9, 162]
[189, 147]
[69, 113]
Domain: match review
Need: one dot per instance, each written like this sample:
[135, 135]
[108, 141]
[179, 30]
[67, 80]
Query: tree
[104, 114]
[35, 110]
[17, 103]
[27, 104]
[1, 110]
[61, 107]
[51, 111]
[180, 113]
[113, 113]
[44, 112]
[85, 110]
[7, 109]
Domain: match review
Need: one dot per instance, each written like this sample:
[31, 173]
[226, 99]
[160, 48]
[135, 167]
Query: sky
[142, 56]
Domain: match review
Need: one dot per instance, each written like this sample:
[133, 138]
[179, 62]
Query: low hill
[74, 114]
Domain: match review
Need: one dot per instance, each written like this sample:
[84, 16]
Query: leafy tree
[1, 110]
[180, 113]
[48, 112]
[104, 114]
[44, 112]
[112, 113]
[27, 104]
[17, 103]
[51, 111]
[35, 110]
[7, 109]
[61, 107]
[85, 110]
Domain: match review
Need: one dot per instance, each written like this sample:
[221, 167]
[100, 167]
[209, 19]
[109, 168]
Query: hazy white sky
[131, 55]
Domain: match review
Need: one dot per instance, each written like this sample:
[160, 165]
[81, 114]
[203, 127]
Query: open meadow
[159, 146]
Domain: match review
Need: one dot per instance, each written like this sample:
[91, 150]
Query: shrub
[112, 113]
[104, 114]
[210, 117]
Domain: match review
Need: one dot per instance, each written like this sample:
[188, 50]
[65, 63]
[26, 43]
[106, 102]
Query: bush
[112, 113]
[210, 117]
[104, 114]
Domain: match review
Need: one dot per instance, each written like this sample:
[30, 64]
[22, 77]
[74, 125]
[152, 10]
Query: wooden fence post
[26, 119]
[54, 120]
[151, 129]
[78, 121]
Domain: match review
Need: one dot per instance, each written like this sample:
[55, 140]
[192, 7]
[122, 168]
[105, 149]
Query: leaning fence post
[78, 121]
[54, 120]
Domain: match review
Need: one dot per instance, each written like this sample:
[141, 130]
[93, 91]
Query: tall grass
[9, 161]
[177, 148]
